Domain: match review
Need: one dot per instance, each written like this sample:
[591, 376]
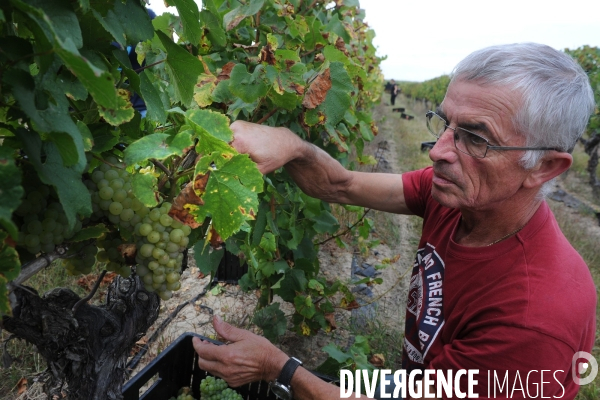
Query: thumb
[227, 331]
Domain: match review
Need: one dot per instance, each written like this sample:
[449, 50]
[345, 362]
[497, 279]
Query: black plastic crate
[425, 146]
[176, 367]
[230, 269]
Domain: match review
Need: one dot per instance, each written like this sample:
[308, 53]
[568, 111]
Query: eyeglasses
[468, 142]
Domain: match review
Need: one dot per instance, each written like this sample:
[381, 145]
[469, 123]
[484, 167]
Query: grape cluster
[161, 241]
[112, 197]
[216, 389]
[111, 255]
[44, 224]
[84, 261]
[185, 393]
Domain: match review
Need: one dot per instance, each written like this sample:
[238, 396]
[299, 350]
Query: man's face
[465, 182]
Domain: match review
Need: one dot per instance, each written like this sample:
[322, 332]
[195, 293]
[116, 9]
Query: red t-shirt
[523, 305]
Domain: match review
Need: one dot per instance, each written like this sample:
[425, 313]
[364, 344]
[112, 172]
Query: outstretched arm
[315, 172]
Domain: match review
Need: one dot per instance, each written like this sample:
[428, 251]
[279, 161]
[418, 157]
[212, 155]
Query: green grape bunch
[44, 222]
[212, 388]
[161, 241]
[185, 393]
[112, 196]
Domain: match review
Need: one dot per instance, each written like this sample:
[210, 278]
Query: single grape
[111, 175]
[146, 250]
[35, 227]
[145, 229]
[115, 208]
[153, 237]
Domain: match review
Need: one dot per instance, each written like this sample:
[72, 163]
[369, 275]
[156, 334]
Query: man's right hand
[270, 148]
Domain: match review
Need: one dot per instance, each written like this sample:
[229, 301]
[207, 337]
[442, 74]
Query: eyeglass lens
[465, 141]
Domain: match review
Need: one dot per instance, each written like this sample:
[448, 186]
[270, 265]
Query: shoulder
[561, 291]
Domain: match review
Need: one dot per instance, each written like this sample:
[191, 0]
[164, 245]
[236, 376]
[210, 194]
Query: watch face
[281, 391]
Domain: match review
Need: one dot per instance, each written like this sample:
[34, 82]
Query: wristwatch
[281, 386]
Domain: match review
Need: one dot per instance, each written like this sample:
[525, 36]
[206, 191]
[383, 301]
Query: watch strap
[285, 377]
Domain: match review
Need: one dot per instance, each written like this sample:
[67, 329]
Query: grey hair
[556, 97]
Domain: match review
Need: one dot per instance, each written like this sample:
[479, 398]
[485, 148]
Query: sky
[426, 39]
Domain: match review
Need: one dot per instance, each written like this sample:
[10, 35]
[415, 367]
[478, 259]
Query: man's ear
[549, 167]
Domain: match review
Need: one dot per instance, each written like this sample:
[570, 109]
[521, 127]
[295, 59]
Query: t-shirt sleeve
[417, 189]
[530, 362]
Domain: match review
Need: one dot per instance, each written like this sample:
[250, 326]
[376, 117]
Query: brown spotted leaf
[230, 197]
[225, 71]
[377, 360]
[187, 196]
[330, 318]
[267, 55]
[341, 46]
[317, 91]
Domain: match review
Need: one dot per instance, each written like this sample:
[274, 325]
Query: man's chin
[445, 198]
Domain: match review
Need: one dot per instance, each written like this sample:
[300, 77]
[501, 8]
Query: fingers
[229, 332]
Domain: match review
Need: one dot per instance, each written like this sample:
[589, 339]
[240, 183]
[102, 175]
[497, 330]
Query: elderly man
[495, 286]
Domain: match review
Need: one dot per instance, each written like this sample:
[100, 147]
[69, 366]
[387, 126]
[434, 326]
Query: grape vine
[81, 168]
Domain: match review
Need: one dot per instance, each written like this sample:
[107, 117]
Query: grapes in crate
[185, 393]
[216, 389]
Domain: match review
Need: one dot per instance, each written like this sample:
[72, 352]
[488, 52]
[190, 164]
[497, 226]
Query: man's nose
[444, 148]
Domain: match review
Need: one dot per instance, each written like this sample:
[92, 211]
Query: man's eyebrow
[479, 127]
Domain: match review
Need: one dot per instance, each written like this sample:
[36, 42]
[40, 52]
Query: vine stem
[149, 66]
[347, 230]
[33, 267]
[161, 166]
[91, 294]
[266, 117]
[106, 162]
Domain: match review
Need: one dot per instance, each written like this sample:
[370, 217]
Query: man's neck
[481, 228]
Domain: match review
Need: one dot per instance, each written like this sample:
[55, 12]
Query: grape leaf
[184, 67]
[293, 281]
[246, 86]
[235, 16]
[318, 89]
[231, 192]
[98, 82]
[305, 306]
[11, 190]
[213, 131]
[338, 98]
[189, 14]
[53, 118]
[154, 105]
[213, 30]
[72, 193]
[336, 26]
[204, 89]
[144, 187]
[122, 113]
[89, 232]
[271, 320]
[157, 145]
[206, 258]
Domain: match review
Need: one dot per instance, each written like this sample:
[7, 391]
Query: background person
[394, 91]
[495, 286]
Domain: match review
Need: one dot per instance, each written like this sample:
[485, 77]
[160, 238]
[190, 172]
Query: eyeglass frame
[430, 113]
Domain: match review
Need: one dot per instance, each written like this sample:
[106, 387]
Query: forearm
[319, 175]
[322, 177]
